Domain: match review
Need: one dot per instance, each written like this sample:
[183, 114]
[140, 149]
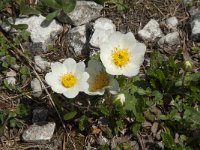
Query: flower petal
[54, 82]
[140, 48]
[131, 70]
[57, 68]
[116, 38]
[83, 84]
[80, 68]
[129, 41]
[70, 65]
[71, 93]
[114, 86]
[94, 67]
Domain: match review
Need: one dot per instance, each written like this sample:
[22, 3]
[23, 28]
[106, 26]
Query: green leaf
[12, 114]
[104, 147]
[52, 4]
[136, 127]
[5, 64]
[24, 70]
[83, 122]
[10, 60]
[141, 91]
[1, 131]
[130, 102]
[22, 110]
[12, 123]
[158, 95]
[26, 10]
[68, 5]
[168, 140]
[70, 115]
[20, 26]
[52, 15]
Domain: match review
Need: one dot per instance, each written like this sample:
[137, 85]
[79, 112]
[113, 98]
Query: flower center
[101, 80]
[120, 57]
[68, 80]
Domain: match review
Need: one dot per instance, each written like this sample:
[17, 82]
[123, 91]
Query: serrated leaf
[83, 122]
[158, 95]
[141, 91]
[168, 140]
[70, 115]
[24, 70]
[130, 103]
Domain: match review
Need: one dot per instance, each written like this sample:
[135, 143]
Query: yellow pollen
[68, 80]
[101, 80]
[120, 57]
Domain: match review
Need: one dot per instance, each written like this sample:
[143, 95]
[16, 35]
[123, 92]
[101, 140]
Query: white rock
[194, 27]
[102, 140]
[103, 27]
[154, 128]
[11, 80]
[36, 133]
[158, 135]
[11, 73]
[151, 31]
[36, 87]
[39, 34]
[84, 12]
[194, 10]
[41, 64]
[187, 2]
[171, 39]
[172, 22]
[77, 39]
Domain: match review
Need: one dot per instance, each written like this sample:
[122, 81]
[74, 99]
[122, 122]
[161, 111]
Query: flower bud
[120, 98]
[187, 66]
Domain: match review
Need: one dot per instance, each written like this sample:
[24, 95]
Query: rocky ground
[167, 26]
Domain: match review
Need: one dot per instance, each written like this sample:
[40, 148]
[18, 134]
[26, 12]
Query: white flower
[121, 54]
[99, 80]
[68, 78]
[120, 97]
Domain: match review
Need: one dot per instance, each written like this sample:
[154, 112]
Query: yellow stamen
[121, 57]
[101, 80]
[68, 80]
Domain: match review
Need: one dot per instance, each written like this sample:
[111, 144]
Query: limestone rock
[11, 80]
[151, 31]
[172, 22]
[39, 115]
[194, 27]
[36, 133]
[84, 12]
[41, 64]
[36, 87]
[77, 39]
[103, 27]
[40, 35]
[171, 39]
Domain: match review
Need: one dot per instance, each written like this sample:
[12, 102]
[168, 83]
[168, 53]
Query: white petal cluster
[68, 78]
[122, 54]
[100, 80]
